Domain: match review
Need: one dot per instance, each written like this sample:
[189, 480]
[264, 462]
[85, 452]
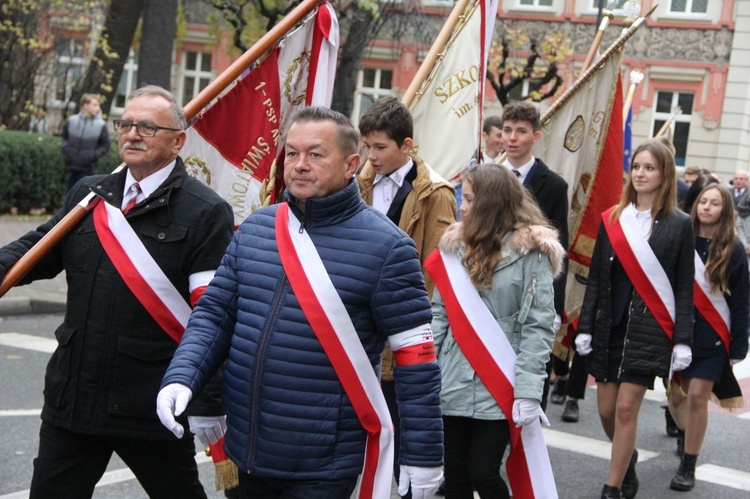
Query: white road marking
[109, 478]
[585, 445]
[726, 477]
[28, 342]
[20, 412]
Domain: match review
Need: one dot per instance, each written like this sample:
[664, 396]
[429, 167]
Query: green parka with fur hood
[530, 258]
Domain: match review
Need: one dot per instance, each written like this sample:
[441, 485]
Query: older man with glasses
[135, 266]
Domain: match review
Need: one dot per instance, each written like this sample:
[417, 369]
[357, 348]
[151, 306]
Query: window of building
[688, 6]
[127, 83]
[196, 74]
[535, 3]
[69, 68]
[677, 109]
[372, 84]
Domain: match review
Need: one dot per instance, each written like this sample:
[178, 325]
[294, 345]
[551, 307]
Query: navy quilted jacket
[287, 413]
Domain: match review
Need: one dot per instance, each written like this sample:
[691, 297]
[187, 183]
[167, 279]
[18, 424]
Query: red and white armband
[198, 283]
[414, 346]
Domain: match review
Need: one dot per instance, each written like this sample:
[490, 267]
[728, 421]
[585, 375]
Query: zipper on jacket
[624, 341]
[265, 336]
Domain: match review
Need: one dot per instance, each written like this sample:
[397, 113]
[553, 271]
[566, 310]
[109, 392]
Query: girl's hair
[500, 205]
[666, 197]
[695, 190]
[722, 244]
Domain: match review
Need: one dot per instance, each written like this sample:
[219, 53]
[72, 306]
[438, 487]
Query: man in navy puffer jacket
[291, 426]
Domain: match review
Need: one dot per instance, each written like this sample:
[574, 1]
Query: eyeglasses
[144, 129]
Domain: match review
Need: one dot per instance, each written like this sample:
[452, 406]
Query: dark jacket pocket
[141, 364]
[59, 366]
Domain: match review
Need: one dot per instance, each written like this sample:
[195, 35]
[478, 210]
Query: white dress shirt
[148, 185]
[385, 187]
[523, 169]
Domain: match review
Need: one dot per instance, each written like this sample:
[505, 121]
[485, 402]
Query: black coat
[647, 350]
[104, 376]
[551, 193]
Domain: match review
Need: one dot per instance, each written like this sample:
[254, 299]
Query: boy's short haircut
[522, 111]
[390, 116]
[492, 121]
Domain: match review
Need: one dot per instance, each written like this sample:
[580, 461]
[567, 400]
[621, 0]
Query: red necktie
[135, 189]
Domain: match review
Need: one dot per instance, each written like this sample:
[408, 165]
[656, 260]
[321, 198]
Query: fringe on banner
[227, 474]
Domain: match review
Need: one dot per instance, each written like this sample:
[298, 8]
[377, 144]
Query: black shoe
[684, 480]
[611, 492]
[558, 394]
[630, 482]
[570, 414]
[680, 444]
[672, 429]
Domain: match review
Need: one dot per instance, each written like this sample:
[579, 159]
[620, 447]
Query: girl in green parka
[512, 256]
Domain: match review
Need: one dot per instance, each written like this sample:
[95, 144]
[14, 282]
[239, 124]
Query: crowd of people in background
[335, 322]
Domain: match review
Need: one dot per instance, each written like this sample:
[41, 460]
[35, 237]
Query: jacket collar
[110, 188]
[328, 210]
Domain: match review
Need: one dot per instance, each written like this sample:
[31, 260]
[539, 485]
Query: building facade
[693, 55]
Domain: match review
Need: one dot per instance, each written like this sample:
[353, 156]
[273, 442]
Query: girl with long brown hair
[720, 332]
[510, 255]
[636, 319]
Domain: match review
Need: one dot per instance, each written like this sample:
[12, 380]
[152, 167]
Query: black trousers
[252, 487]
[576, 385]
[70, 464]
[474, 451]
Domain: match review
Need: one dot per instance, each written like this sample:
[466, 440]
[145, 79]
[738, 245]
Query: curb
[10, 306]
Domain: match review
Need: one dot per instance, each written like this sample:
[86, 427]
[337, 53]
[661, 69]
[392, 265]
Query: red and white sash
[141, 273]
[711, 304]
[642, 267]
[332, 325]
[491, 355]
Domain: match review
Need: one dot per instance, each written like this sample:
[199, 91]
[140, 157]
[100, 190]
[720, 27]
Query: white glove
[583, 344]
[682, 355]
[208, 428]
[172, 401]
[734, 361]
[424, 481]
[526, 411]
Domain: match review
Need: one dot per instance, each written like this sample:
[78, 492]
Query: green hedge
[32, 172]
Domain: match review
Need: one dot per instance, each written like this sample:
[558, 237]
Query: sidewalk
[39, 297]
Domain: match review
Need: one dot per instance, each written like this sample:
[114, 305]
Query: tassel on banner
[227, 474]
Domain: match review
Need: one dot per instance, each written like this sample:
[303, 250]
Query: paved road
[579, 452]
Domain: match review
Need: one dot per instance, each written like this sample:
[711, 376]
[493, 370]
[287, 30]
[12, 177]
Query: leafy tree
[26, 46]
[517, 57]
[360, 21]
[112, 48]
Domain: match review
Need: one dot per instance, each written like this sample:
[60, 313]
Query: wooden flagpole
[78, 213]
[607, 16]
[635, 78]
[435, 52]
[586, 75]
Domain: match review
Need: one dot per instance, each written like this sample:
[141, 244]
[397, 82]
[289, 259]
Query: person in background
[691, 173]
[307, 294]
[85, 140]
[521, 130]
[627, 339]
[38, 122]
[740, 193]
[492, 135]
[512, 255]
[720, 337]
[155, 236]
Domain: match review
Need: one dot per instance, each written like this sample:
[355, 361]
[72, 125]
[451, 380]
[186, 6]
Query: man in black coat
[521, 130]
[135, 264]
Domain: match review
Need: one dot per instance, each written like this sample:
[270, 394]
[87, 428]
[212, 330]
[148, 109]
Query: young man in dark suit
[521, 130]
